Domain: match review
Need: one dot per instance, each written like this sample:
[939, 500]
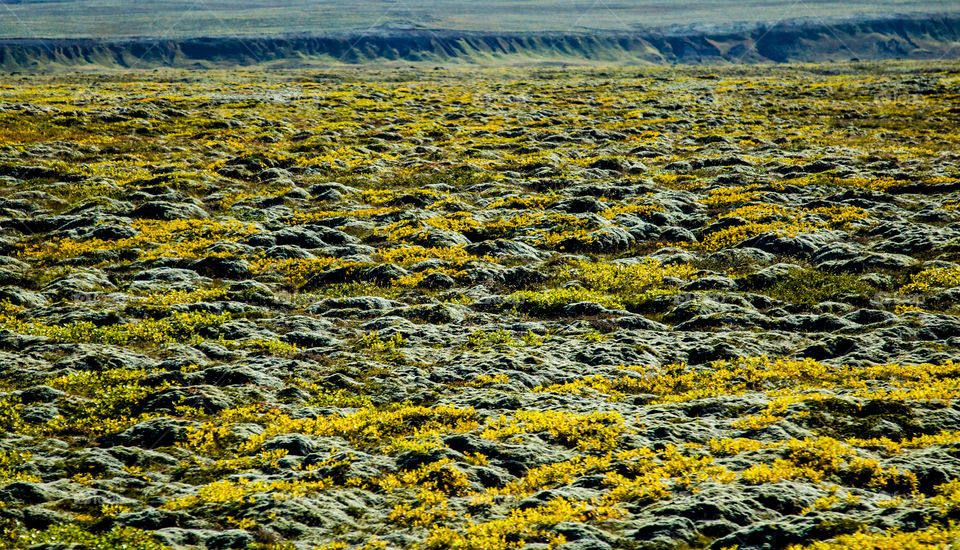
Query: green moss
[813, 287]
[552, 301]
[178, 327]
[840, 418]
[118, 538]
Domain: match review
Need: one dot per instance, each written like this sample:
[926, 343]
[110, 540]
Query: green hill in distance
[108, 19]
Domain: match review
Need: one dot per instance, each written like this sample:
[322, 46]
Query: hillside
[805, 40]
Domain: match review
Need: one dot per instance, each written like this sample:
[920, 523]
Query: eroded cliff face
[913, 37]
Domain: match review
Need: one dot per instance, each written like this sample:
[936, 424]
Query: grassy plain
[187, 18]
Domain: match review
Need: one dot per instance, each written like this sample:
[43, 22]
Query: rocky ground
[583, 309]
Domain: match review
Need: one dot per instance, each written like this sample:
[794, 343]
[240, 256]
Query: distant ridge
[892, 37]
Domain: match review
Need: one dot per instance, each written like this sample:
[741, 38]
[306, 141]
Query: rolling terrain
[572, 308]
